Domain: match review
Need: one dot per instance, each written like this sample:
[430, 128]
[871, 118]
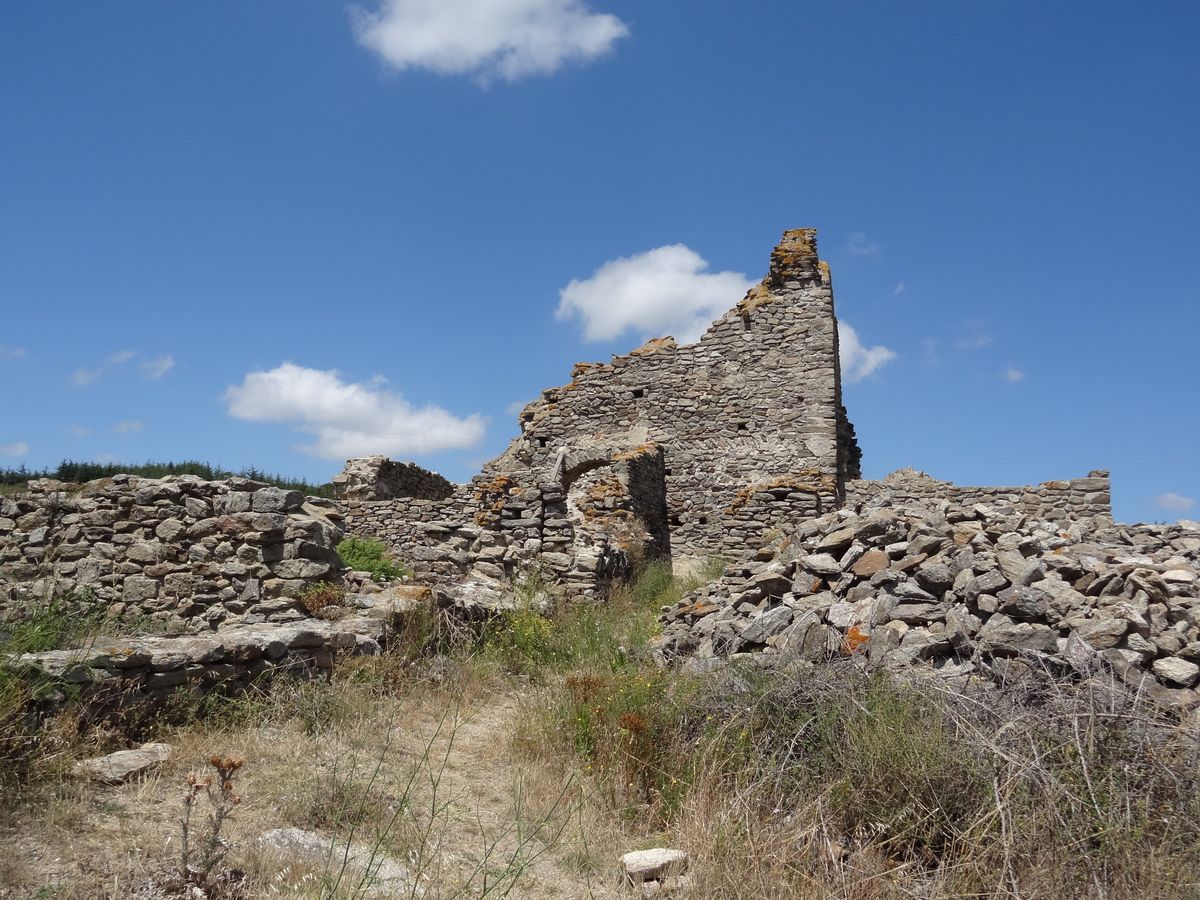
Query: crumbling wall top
[380, 478]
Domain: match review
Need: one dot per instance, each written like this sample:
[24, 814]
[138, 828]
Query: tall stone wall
[758, 398]
[709, 448]
[178, 548]
[1059, 501]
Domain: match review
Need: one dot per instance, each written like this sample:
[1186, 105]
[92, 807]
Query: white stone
[373, 873]
[1176, 670]
[653, 865]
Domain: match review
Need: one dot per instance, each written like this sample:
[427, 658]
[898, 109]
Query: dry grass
[523, 766]
[416, 767]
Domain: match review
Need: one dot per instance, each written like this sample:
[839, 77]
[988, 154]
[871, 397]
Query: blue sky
[275, 232]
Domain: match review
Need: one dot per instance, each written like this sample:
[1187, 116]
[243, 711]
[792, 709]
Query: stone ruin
[686, 452]
[737, 446]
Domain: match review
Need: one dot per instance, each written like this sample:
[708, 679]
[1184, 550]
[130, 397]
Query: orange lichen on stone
[491, 494]
[796, 249]
[759, 295]
[795, 257]
[647, 449]
[582, 367]
[655, 345]
[854, 641]
[826, 275]
[597, 494]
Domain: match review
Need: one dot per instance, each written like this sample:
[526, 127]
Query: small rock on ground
[119, 767]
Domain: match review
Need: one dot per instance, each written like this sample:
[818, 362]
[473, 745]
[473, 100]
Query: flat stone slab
[119, 767]
[367, 870]
[238, 643]
[653, 865]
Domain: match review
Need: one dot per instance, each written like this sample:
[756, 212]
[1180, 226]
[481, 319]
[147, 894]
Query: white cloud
[858, 361]
[156, 368]
[83, 377]
[1012, 374]
[489, 39]
[662, 291]
[514, 408]
[348, 420]
[11, 352]
[860, 246]
[79, 431]
[1174, 502]
[900, 289]
[16, 448]
[929, 352]
[129, 426]
[976, 337]
[976, 342]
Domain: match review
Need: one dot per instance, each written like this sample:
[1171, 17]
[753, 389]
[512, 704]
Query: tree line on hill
[71, 470]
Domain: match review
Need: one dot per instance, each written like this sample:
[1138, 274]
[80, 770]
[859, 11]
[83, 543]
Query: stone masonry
[710, 448]
[755, 403]
[180, 550]
[1062, 501]
[707, 446]
[379, 478]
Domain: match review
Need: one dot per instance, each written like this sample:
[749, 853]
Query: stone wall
[177, 548]
[579, 526]
[380, 478]
[406, 523]
[756, 399]
[1062, 501]
[709, 448]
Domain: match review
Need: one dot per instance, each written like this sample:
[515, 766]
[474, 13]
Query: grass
[523, 761]
[366, 555]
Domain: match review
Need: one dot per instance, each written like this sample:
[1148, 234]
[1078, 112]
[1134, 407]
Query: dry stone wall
[150, 669]
[177, 549]
[578, 529]
[747, 437]
[379, 478]
[1062, 501]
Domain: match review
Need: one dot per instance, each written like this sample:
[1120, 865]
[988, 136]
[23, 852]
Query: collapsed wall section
[756, 400]
[380, 478]
[578, 526]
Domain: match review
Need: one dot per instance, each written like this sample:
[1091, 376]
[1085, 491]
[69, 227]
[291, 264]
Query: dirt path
[503, 817]
[473, 813]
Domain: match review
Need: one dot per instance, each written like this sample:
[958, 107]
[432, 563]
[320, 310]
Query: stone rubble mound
[964, 589]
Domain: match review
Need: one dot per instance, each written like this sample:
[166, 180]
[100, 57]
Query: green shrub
[521, 640]
[366, 555]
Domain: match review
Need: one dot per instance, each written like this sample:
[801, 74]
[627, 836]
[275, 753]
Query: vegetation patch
[366, 555]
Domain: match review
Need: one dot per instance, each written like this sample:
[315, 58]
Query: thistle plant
[222, 798]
